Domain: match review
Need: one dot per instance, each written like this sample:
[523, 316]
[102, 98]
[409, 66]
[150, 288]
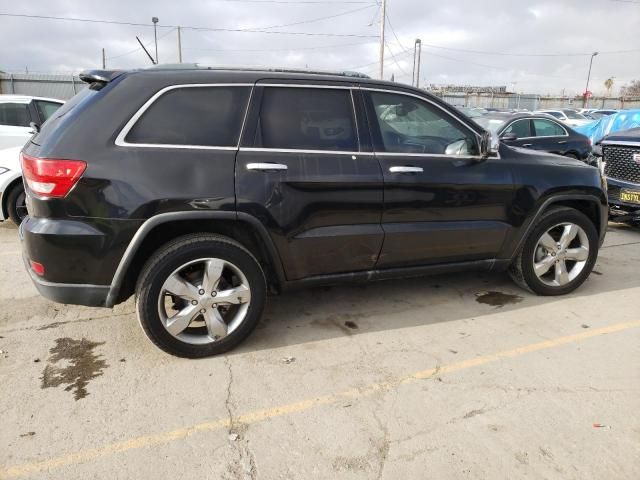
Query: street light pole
[418, 61]
[383, 21]
[586, 90]
[155, 35]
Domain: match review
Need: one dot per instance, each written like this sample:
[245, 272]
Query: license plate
[630, 196]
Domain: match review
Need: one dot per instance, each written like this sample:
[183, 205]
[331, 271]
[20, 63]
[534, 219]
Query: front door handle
[562, 142]
[406, 169]
[266, 167]
[527, 145]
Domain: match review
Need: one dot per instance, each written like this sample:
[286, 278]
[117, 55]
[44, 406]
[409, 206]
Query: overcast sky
[448, 29]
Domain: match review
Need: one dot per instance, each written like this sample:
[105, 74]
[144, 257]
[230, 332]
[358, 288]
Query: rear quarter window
[196, 116]
[14, 114]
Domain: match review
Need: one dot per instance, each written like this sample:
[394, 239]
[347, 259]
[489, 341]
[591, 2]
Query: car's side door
[302, 172]
[550, 136]
[443, 202]
[518, 133]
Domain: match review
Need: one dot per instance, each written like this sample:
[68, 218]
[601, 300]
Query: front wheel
[200, 295]
[558, 255]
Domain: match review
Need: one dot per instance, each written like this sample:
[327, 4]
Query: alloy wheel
[561, 254]
[204, 300]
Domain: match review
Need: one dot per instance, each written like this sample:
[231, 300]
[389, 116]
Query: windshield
[574, 115]
[490, 124]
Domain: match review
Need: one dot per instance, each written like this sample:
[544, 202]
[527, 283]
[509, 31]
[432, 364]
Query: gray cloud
[495, 26]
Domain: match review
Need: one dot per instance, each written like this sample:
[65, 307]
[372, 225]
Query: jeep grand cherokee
[200, 190]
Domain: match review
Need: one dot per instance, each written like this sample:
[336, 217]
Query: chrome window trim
[469, 127]
[297, 150]
[300, 150]
[120, 139]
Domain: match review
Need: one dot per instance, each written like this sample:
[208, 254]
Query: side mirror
[489, 145]
[509, 137]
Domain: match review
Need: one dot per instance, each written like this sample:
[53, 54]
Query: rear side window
[522, 128]
[14, 114]
[546, 128]
[307, 119]
[46, 109]
[198, 116]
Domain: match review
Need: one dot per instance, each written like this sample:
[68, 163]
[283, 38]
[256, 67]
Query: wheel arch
[160, 229]
[590, 205]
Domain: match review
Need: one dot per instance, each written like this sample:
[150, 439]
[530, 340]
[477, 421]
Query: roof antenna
[146, 51]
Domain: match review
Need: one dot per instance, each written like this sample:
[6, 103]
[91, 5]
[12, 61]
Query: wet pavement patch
[78, 365]
[498, 299]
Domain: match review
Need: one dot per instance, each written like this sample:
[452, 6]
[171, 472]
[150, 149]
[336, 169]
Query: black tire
[16, 207]
[521, 269]
[171, 257]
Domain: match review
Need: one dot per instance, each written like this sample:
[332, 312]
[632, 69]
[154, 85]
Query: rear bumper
[69, 293]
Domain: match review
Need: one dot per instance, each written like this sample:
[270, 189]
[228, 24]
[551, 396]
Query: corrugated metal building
[62, 87]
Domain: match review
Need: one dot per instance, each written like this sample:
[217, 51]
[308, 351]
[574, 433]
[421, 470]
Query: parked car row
[20, 116]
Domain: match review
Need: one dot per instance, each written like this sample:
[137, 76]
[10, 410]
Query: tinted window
[46, 109]
[522, 128]
[209, 116]
[14, 114]
[410, 125]
[546, 128]
[307, 119]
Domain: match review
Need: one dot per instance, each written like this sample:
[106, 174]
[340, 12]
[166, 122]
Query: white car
[567, 116]
[12, 198]
[17, 112]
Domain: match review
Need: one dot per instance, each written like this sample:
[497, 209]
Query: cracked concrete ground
[457, 376]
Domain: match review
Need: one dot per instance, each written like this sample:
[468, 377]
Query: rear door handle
[406, 169]
[266, 167]
[527, 145]
[562, 142]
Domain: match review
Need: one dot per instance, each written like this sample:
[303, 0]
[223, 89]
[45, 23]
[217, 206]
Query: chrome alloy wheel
[204, 301]
[561, 254]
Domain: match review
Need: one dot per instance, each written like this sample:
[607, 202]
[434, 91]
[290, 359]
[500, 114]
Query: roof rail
[186, 66]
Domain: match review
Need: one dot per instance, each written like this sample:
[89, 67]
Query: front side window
[522, 128]
[411, 125]
[198, 116]
[46, 109]
[14, 114]
[546, 128]
[307, 119]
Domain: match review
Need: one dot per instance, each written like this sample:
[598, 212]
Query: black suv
[200, 190]
[621, 157]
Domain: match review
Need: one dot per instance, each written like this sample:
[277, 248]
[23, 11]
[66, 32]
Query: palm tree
[608, 83]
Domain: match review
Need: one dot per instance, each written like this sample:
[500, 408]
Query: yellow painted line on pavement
[301, 406]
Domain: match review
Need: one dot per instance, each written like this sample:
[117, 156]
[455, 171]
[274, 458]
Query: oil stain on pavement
[497, 299]
[79, 365]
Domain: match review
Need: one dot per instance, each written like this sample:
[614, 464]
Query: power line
[209, 29]
[316, 19]
[319, 47]
[299, 2]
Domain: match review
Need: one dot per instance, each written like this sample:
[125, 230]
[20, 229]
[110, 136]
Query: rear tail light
[49, 177]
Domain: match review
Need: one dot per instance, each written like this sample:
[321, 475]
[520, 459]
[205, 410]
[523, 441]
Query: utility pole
[155, 35]
[586, 90]
[383, 21]
[179, 47]
[104, 61]
[417, 51]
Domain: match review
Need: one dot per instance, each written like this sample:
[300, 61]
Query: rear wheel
[16, 204]
[200, 295]
[558, 255]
